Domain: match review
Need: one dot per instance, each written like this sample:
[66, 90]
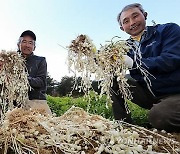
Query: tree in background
[95, 86]
[51, 86]
[67, 86]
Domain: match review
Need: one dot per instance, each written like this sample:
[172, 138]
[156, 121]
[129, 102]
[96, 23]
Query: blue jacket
[160, 50]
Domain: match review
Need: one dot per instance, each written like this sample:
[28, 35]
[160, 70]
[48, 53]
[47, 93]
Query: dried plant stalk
[13, 81]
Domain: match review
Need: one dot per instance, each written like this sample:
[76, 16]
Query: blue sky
[59, 21]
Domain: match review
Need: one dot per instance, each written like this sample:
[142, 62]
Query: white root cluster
[105, 64]
[76, 132]
[110, 59]
[81, 60]
[13, 81]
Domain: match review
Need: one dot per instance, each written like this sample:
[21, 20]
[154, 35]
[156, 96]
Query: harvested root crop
[77, 132]
[81, 56]
[110, 59]
[13, 81]
[105, 64]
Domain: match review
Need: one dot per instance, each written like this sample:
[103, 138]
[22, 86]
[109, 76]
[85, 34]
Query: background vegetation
[60, 101]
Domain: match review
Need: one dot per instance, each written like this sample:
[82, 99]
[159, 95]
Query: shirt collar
[140, 36]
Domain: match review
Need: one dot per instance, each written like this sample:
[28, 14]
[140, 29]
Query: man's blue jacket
[160, 51]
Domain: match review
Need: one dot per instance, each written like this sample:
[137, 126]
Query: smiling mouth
[26, 49]
[134, 27]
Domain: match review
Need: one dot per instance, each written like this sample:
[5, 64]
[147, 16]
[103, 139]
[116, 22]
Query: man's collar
[140, 36]
[28, 56]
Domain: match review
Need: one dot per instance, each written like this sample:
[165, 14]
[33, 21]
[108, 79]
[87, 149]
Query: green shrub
[95, 105]
[138, 114]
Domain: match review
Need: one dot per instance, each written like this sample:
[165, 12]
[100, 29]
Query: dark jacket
[160, 50]
[37, 70]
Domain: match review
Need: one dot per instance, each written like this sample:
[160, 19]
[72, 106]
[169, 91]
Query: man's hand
[128, 61]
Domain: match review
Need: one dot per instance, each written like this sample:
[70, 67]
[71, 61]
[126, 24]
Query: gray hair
[130, 6]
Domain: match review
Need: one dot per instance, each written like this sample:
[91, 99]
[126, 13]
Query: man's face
[133, 21]
[27, 45]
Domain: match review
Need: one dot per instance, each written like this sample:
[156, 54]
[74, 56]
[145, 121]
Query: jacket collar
[148, 33]
[28, 57]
